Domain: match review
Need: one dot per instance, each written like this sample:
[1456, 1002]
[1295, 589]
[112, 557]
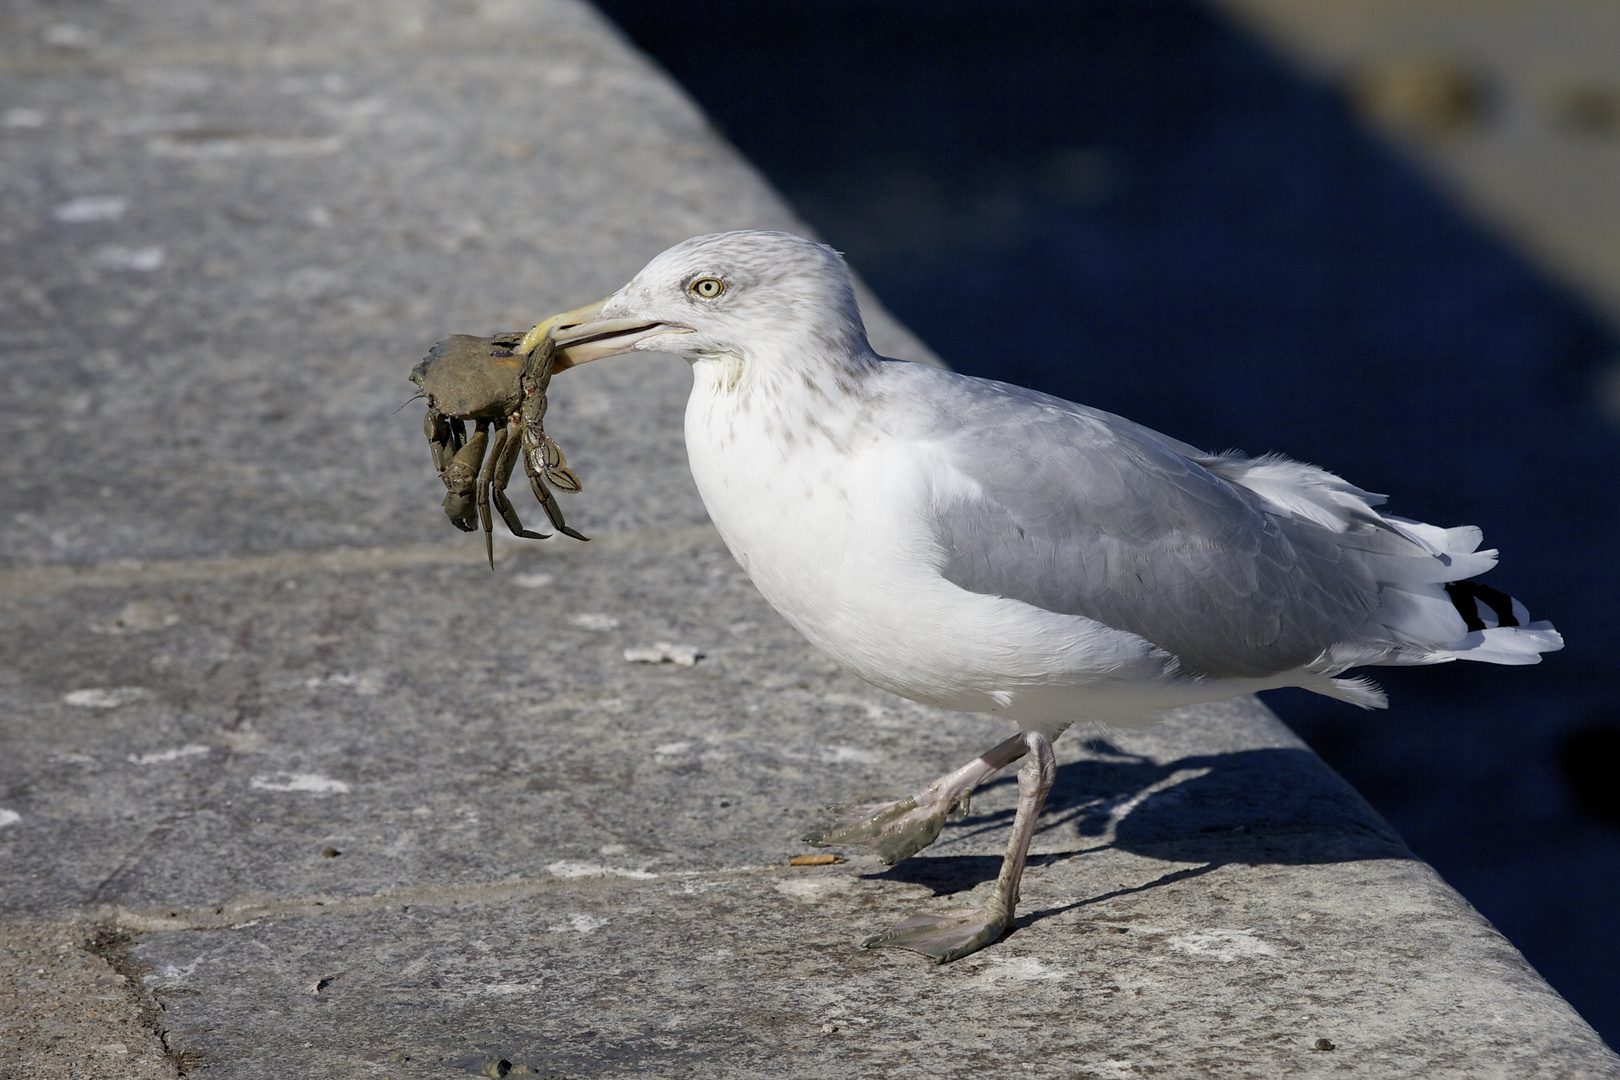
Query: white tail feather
[1420, 615]
[1499, 645]
[1297, 489]
[1360, 691]
[1417, 620]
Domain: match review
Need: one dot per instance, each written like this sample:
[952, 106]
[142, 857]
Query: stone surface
[65, 1010]
[295, 201]
[293, 785]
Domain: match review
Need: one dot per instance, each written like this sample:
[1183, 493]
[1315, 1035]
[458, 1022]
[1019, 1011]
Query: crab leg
[547, 500]
[484, 476]
[503, 476]
[441, 440]
[461, 478]
[492, 481]
[555, 467]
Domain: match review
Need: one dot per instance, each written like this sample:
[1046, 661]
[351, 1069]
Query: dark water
[1134, 205]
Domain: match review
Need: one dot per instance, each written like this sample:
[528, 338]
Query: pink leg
[956, 934]
[898, 830]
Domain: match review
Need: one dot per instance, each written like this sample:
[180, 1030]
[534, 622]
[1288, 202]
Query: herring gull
[987, 548]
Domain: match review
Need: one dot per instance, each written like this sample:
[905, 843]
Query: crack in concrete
[113, 946]
[240, 914]
[34, 582]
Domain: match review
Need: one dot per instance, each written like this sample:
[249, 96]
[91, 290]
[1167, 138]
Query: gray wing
[1085, 513]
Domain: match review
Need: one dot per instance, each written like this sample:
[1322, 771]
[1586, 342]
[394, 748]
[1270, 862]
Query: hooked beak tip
[583, 335]
[565, 321]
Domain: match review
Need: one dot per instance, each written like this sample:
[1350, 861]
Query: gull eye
[707, 288]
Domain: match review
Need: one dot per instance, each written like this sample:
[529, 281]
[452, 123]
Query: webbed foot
[895, 830]
[956, 934]
[946, 937]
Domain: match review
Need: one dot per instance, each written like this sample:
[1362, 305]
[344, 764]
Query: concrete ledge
[295, 787]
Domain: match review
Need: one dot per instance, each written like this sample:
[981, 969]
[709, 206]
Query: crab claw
[461, 480]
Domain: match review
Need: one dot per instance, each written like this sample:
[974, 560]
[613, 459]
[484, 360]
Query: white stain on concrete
[66, 35]
[171, 973]
[841, 755]
[313, 783]
[533, 580]
[96, 697]
[578, 923]
[1025, 969]
[595, 621]
[813, 889]
[9, 817]
[141, 260]
[663, 652]
[670, 749]
[366, 683]
[137, 617]
[88, 208]
[1222, 945]
[160, 757]
[874, 711]
[23, 118]
[997, 971]
[571, 868]
[505, 989]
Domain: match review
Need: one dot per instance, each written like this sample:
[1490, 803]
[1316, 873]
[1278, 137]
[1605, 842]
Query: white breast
[837, 537]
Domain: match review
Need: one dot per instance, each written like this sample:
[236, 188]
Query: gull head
[757, 297]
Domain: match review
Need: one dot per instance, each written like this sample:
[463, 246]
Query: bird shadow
[1273, 806]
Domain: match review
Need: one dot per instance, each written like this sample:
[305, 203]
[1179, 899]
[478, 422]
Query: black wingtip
[1466, 597]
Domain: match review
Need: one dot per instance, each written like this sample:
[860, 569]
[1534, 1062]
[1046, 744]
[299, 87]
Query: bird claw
[895, 830]
[943, 938]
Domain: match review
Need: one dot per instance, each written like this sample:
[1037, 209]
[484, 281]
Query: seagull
[986, 548]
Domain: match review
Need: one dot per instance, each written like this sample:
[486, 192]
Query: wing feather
[1085, 513]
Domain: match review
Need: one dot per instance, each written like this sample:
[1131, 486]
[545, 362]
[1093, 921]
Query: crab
[497, 382]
